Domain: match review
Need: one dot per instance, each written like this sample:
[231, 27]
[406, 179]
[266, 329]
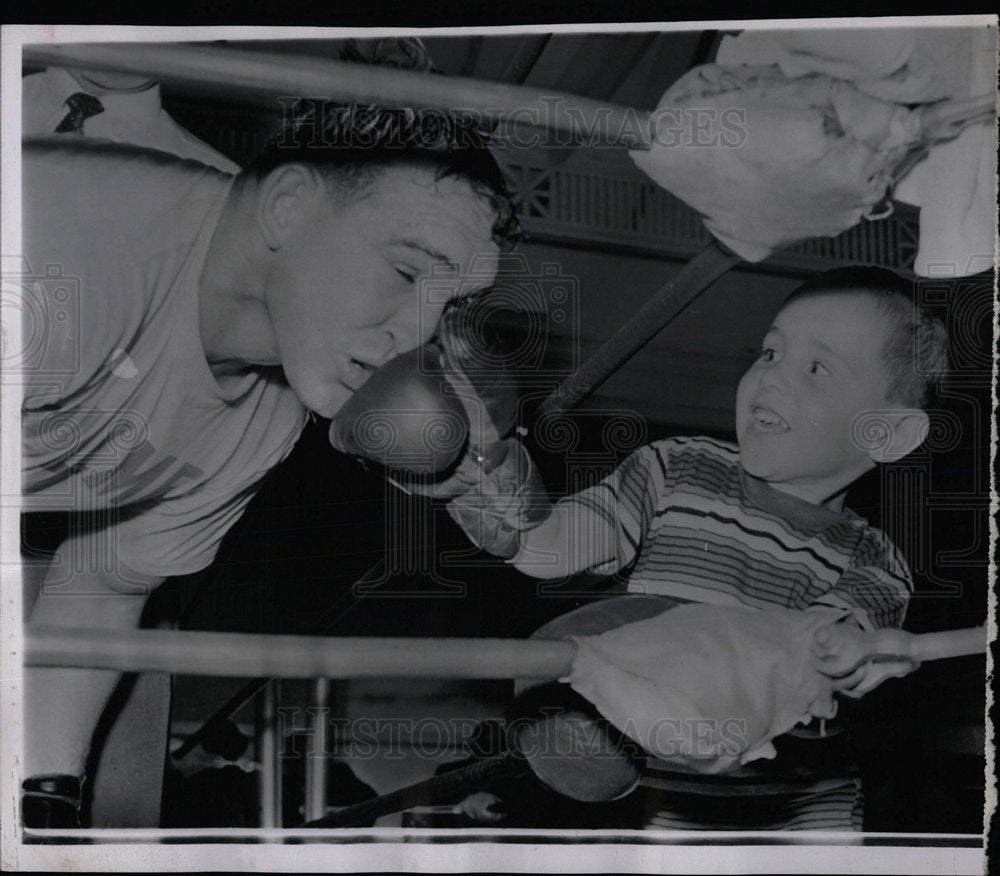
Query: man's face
[345, 295]
[820, 367]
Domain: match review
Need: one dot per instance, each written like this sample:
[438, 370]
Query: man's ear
[909, 428]
[285, 197]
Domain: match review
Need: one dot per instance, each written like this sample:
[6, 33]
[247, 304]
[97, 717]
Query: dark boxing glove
[405, 417]
[476, 352]
[496, 492]
[413, 418]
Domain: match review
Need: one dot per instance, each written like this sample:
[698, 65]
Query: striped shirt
[689, 522]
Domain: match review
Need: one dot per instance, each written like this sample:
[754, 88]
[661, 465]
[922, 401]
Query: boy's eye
[768, 354]
[407, 274]
[818, 368]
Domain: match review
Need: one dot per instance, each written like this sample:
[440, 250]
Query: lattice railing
[571, 204]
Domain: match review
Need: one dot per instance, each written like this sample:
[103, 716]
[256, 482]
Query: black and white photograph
[555, 448]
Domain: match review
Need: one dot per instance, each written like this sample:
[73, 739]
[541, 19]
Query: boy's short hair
[915, 352]
[353, 144]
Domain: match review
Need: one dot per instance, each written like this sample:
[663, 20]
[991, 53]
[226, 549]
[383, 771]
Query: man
[214, 311]
[124, 108]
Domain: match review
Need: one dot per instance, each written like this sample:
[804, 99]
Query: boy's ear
[909, 428]
[285, 196]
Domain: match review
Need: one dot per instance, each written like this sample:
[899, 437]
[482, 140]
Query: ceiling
[628, 69]
[633, 69]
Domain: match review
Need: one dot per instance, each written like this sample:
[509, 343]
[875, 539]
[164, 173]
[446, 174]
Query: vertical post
[267, 754]
[316, 758]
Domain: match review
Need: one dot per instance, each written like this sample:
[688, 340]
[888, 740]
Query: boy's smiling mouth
[767, 420]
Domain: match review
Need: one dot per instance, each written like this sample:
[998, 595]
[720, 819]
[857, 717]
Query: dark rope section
[450, 784]
[693, 279]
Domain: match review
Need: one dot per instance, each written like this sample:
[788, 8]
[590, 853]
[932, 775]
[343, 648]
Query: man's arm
[62, 706]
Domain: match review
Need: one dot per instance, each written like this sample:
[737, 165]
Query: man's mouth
[766, 420]
[356, 373]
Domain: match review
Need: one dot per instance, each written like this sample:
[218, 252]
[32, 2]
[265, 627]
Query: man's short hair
[353, 144]
[915, 352]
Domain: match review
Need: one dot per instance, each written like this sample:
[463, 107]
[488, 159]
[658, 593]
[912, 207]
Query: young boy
[845, 374]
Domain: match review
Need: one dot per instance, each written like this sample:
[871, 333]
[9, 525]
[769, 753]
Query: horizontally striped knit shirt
[693, 524]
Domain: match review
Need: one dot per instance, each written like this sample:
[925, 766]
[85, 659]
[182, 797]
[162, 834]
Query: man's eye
[468, 301]
[408, 275]
[818, 368]
[768, 354]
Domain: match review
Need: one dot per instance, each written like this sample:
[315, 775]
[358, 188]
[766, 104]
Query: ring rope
[265, 78]
[253, 655]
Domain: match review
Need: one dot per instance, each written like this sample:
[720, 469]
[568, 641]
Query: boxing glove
[477, 349]
[405, 417]
[411, 418]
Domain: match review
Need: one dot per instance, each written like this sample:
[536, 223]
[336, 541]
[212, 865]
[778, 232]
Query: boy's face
[820, 367]
[347, 294]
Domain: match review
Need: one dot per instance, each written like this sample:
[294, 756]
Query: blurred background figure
[121, 107]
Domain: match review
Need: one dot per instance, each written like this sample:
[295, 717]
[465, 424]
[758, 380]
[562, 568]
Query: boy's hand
[482, 807]
[507, 498]
[859, 661]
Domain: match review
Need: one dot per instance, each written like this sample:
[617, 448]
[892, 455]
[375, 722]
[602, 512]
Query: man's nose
[404, 333]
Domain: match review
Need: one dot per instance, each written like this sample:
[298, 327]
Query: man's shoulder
[85, 199]
[93, 162]
[129, 227]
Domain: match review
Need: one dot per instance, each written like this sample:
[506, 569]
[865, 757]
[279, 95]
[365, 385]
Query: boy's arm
[495, 493]
[572, 539]
[876, 586]
[497, 497]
